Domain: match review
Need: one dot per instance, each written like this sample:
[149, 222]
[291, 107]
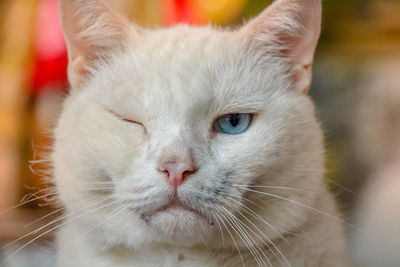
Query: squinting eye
[125, 119]
[233, 123]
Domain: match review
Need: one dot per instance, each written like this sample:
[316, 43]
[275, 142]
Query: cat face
[139, 141]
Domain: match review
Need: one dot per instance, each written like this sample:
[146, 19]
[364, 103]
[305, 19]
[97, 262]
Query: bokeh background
[356, 88]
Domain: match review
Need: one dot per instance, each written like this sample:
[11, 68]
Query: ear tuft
[289, 29]
[92, 30]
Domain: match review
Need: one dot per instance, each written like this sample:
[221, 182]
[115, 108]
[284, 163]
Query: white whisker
[264, 235]
[233, 239]
[113, 214]
[257, 216]
[54, 228]
[251, 244]
[303, 205]
[78, 204]
[220, 229]
[341, 186]
[26, 202]
[47, 195]
[278, 187]
[48, 224]
[44, 217]
[241, 197]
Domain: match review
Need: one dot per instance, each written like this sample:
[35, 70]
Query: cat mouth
[177, 208]
[177, 205]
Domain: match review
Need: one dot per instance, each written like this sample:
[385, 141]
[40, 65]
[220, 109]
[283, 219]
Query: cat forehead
[182, 52]
[186, 65]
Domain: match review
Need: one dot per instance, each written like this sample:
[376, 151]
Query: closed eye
[131, 121]
[125, 119]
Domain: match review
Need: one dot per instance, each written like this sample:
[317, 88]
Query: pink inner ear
[92, 30]
[306, 41]
[77, 70]
[293, 25]
[302, 77]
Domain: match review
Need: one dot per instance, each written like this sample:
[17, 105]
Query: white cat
[193, 146]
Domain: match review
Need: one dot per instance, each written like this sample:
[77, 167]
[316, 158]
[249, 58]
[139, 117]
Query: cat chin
[182, 226]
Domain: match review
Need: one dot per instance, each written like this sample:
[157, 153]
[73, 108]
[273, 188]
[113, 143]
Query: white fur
[176, 82]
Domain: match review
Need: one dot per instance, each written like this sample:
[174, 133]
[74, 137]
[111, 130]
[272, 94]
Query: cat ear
[289, 29]
[92, 30]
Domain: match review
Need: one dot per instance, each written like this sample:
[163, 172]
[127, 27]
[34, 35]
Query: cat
[192, 146]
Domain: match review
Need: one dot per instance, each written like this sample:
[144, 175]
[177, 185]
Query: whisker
[54, 228]
[341, 186]
[220, 229]
[241, 236]
[305, 206]
[88, 183]
[29, 196]
[263, 241]
[278, 187]
[241, 197]
[257, 216]
[113, 214]
[26, 202]
[48, 224]
[47, 195]
[233, 239]
[265, 236]
[248, 237]
[43, 217]
[78, 204]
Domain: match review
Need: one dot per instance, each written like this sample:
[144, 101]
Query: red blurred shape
[50, 66]
[182, 12]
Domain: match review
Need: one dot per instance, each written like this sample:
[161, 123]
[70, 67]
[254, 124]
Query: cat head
[181, 135]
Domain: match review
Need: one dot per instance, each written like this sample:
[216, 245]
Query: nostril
[187, 173]
[177, 172]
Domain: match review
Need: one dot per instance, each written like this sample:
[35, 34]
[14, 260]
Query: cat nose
[177, 171]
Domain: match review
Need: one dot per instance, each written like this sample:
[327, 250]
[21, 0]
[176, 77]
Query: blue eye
[233, 123]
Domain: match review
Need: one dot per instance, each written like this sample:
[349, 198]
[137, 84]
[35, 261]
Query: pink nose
[177, 171]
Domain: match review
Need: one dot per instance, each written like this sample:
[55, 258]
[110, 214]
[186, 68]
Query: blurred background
[356, 88]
